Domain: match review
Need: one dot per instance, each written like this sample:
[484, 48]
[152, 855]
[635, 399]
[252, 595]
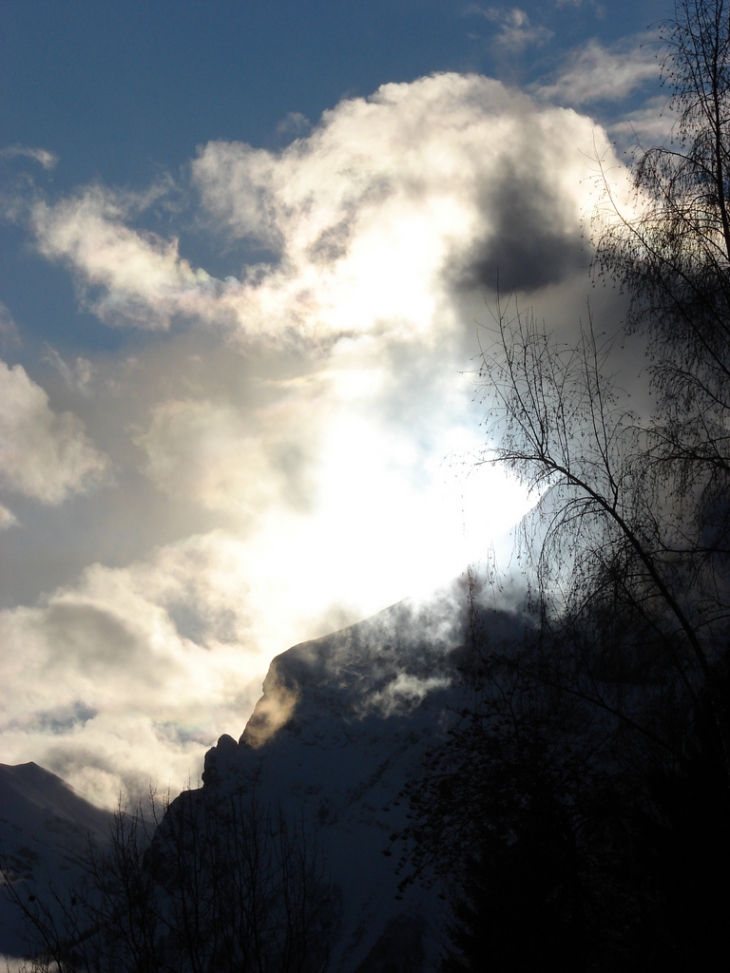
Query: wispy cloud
[594, 73]
[125, 276]
[294, 124]
[47, 159]
[9, 334]
[515, 31]
[77, 377]
[652, 124]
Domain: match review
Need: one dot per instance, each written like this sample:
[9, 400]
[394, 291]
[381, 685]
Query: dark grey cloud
[332, 243]
[97, 640]
[526, 245]
[200, 623]
[59, 719]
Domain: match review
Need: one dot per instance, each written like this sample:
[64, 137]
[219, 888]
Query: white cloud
[595, 73]
[126, 276]
[118, 696]
[283, 459]
[515, 30]
[247, 207]
[42, 454]
[129, 675]
[47, 159]
[399, 173]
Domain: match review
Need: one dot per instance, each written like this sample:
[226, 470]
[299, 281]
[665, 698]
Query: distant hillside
[45, 826]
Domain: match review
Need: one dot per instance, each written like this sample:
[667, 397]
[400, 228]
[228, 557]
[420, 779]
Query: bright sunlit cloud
[295, 448]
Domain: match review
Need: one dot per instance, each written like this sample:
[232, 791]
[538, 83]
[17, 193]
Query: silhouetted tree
[211, 885]
[631, 538]
[581, 807]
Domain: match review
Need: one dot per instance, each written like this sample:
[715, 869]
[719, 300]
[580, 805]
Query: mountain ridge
[344, 722]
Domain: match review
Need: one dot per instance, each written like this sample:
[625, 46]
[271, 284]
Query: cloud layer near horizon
[277, 458]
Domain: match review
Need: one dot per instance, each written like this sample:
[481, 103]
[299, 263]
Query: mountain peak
[344, 723]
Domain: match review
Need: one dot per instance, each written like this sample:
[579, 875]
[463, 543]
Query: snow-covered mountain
[45, 827]
[344, 722]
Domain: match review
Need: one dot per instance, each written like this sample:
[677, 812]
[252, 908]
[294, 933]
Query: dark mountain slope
[45, 827]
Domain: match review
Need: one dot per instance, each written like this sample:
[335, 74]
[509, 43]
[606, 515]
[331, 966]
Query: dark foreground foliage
[561, 831]
[579, 815]
[206, 885]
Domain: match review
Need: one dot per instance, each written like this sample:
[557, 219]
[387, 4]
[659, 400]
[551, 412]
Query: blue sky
[118, 90]
[122, 92]
[246, 251]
